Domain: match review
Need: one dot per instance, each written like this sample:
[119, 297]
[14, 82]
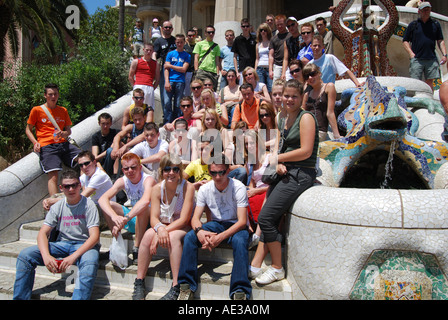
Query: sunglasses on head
[168, 169]
[215, 173]
[70, 186]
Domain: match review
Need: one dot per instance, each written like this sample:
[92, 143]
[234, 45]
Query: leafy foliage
[95, 75]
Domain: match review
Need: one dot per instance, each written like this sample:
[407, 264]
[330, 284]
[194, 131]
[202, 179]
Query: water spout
[388, 166]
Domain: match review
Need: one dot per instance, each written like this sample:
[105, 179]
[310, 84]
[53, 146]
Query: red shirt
[145, 72]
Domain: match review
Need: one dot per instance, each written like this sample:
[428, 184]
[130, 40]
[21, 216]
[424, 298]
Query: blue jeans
[239, 280]
[30, 258]
[263, 74]
[239, 174]
[171, 108]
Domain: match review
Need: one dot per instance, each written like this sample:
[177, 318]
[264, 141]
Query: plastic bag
[118, 253]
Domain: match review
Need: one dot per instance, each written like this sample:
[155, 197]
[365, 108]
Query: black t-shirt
[162, 46]
[277, 43]
[105, 142]
[423, 37]
[245, 48]
[294, 46]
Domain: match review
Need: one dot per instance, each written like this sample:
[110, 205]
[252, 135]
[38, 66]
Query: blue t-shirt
[177, 59]
[227, 56]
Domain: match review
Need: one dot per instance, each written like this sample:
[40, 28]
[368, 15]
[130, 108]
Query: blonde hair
[215, 114]
[256, 77]
[212, 96]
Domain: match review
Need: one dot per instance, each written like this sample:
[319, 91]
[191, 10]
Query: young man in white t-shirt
[94, 181]
[152, 149]
[227, 201]
[328, 64]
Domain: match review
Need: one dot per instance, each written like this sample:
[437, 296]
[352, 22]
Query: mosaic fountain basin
[333, 231]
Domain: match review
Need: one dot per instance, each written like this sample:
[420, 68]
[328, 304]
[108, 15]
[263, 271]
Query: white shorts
[149, 94]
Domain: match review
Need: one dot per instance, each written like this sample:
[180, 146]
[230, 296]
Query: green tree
[47, 18]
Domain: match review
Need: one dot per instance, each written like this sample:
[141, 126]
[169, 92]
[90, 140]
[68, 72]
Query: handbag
[55, 124]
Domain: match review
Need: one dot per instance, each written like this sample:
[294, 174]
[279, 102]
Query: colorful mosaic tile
[400, 275]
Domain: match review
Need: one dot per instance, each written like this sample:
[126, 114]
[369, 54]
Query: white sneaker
[253, 274]
[270, 275]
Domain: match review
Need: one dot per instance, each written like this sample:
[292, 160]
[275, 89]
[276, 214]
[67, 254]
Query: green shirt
[209, 63]
[292, 142]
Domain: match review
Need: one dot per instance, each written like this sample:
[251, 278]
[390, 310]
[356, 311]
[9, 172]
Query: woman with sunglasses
[320, 101]
[172, 204]
[295, 69]
[266, 119]
[261, 90]
[295, 163]
[264, 35]
[196, 87]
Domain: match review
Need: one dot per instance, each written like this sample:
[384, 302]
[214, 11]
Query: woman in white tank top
[172, 204]
[264, 35]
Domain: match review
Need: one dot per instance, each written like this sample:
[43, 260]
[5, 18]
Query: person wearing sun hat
[419, 41]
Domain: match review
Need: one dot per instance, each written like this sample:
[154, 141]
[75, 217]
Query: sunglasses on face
[211, 32]
[129, 168]
[215, 173]
[306, 32]
[84, 164]
[290, 25]
[185, 105]
[138, 98]
[70, 186]
[264, 115]
[167, 27]
[245, 26]
[295, 71]
[168, 169]
[196, 88]
[311, 74]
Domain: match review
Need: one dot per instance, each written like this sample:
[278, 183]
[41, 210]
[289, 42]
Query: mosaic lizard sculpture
[374, 118]
[365, 48]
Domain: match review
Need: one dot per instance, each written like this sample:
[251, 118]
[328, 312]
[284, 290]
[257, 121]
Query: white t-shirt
[99, 181]
[223, 205]
[330, 66]
[143, 150]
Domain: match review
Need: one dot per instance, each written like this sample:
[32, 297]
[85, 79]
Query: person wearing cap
[419, 41]
[137, 39]
[291, 46]
[155, 31]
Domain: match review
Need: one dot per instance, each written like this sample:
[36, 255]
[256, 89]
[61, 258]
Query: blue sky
[92, 5]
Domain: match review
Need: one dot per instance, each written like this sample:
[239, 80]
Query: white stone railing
[23, 185]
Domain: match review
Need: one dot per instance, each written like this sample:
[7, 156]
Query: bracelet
[160, 224]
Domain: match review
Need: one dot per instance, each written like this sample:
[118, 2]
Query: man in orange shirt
[51, 143]
[248, 109]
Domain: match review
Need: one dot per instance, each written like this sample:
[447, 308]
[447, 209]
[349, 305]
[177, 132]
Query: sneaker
[270, 275]
[173, 294]
[253, 275]
[185, 292]
[139, 290]
[239, 295]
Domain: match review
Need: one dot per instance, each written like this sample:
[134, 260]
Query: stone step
[214, 271]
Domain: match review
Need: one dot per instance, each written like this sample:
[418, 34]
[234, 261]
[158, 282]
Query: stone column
[228, 15]
[180, 15]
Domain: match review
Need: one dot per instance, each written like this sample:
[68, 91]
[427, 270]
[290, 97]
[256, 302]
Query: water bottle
[55, 135]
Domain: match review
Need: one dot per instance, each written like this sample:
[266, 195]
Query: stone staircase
[115, 284]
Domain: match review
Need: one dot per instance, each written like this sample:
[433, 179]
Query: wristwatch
[197, 230]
